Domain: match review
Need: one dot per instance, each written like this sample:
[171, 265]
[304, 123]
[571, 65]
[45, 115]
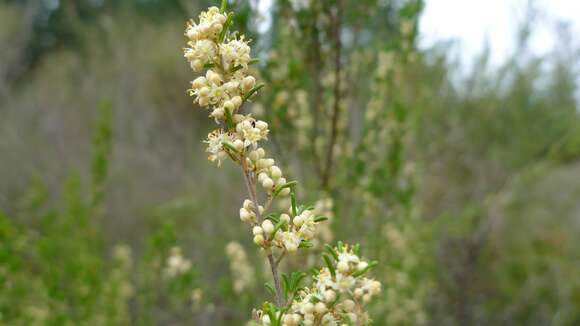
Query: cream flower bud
[257, 230]
[199, 82]
[261, 152]
[237, 101]
[192, 33]
[267, 183]
[329, 296]
[358, 293]
[261, 177]
[367, 298]
[266, 320]
[204, 91]
[262, 125]
[203, 101]
[275, 172]
[238, 117]
[217, 28]
[348, 305]
[285, 192]
[238, 144]
[308, 308]
[268, 226]
[248, 204]
[229, 105]
[298, 220]
[253, 156]
[362, 265]
[213, 77]
[280, 181]
[320, 308]
[342, 266]
[245, 215]
[248, 83]
[259, 239]
[196, 65]
[217, 113]
[285, 217]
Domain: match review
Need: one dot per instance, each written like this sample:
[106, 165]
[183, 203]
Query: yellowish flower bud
[229, 105]
[199, 82]
[259, 239]
[238, 144]
[329, 296]
[248, 83]
[320, 308]
[237, 101]
[285, 217]
[257, 230]
[342, 266]
[275, 172]
[285, 192]
[262, 125]
[204, 92]
[267, 183]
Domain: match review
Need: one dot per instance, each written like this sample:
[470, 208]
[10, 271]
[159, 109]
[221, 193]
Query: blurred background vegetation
[464, 183]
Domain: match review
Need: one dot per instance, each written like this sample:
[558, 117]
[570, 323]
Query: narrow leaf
[252, 91]
[329, 265]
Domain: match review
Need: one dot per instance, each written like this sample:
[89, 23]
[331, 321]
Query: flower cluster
[176, 264]
[292, 230]
[226, 82]
[338, 295]
[339, 290]
[242, 272]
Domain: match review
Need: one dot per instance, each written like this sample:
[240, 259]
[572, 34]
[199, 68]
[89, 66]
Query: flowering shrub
[340, 290]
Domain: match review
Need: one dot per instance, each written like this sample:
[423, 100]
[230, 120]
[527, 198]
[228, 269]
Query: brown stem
[273, 264]
[336, 105]
[316, 102]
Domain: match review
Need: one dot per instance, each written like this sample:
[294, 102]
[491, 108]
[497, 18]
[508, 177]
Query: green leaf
[224, 6]
[286, 185]
[357, 249]
[270, 289]
[208, 65]
[361, 272]
[329, 265]
[236, 68]
[293, 201]
[254, 61]
[252, 91]
[331, 251]
[305, 244]
[227, 24]
[314, 271]
[229, 119]
[229, 146]
[297, 277]
[320, 218]
[279, 225]
[339, 245]
[285, 285]
[274, 217]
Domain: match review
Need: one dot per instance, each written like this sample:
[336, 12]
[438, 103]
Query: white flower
[291, 241]
[215, 147]
[235, 53]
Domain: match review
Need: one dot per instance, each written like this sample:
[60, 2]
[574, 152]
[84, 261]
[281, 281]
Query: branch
[337, 86]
